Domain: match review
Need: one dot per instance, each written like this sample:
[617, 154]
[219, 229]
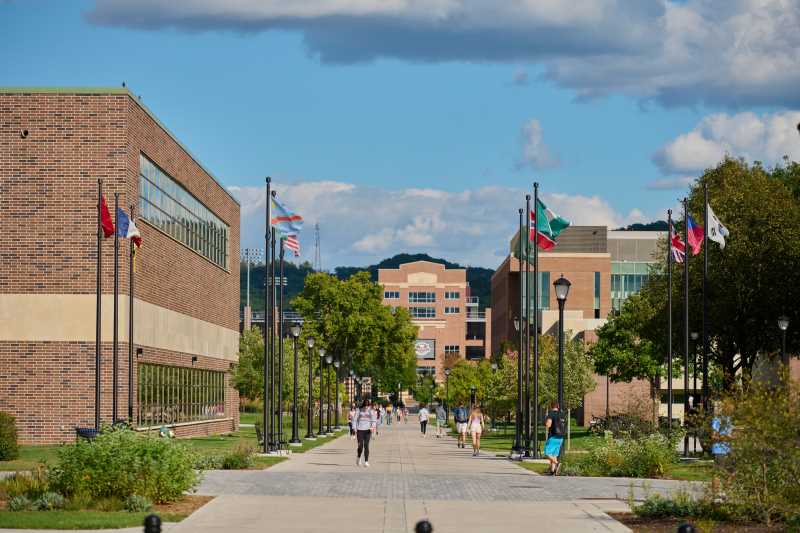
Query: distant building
[450, 322]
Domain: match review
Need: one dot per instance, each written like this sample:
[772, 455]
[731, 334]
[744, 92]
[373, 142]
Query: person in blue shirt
[461, 416]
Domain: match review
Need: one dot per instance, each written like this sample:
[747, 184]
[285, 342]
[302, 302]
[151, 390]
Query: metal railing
[473, 300]
[476, 316]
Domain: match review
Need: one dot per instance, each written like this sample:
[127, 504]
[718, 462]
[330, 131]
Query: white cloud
[765, 138]
[665, 184]
[729, 52]
[361, 225]
[535, 152]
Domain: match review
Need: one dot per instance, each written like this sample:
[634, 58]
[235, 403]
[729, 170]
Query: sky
[419, 125]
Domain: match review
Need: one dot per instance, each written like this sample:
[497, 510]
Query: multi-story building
[449, 321]
[54, 145]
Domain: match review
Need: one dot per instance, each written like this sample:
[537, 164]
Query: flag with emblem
[550, 226]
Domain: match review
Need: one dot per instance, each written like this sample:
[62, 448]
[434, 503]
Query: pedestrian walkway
[410, 478]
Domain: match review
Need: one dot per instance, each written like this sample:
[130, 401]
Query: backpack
[557, 427]
[461, 415]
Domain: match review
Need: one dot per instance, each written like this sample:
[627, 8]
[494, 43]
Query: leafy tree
[578, 372]
[248, 374]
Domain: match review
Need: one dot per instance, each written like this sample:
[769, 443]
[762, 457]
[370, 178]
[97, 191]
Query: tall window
[452, 295]
[422, 312]
[421, 297]
[165, 204]
[451, 349]
[597, 294]
[172, 395]
[391, 295]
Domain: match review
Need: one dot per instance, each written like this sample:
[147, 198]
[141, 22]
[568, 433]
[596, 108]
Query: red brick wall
[623, 398]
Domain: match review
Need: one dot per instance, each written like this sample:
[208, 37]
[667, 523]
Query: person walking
[423, 419]
[351, 420]
[476, 424]
[399, 413]
[441, 417]
[461, 417]
[555, 438]
[374, 413]
[364, 428]
[389, 415]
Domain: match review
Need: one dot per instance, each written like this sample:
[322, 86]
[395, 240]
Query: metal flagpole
[272, 334]
[99, 316]
[130, 328]
[705, 300]
[527, 417]
[536, 320]
[685, 325]
[280, 348]
[669, 321]
[518, 422]
[267, 406]
[115, 344]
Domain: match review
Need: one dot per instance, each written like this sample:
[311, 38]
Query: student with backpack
[555, 438]
[461, 416]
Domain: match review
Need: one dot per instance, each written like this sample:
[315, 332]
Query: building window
[421, 297]
[452, 310]
[165, 204]
[173, 394]
[452, 349]
[422, 312]
[597, 294]
[425, 371]
[475, 352]
[391, 295]
[452, 295]
[544, 291]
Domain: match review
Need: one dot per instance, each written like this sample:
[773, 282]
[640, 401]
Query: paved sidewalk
[410, 478]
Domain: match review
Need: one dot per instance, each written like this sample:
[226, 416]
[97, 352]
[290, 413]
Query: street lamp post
[328, 360]
[472, 397]
[783, 324]
[494, 396]
[295, 331]
[447, 395]
[517, 447]
[336, 365]
[310, 410]
[562, 286]
[321, 430]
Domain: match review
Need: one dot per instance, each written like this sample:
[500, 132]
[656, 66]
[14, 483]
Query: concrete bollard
[423, 526]
[152, 524]
[686, 528]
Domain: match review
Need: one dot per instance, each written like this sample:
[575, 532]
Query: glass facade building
[165, 204]
[633, 253]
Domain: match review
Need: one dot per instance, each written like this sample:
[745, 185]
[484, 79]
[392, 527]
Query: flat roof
[630, 235]
[116, 91]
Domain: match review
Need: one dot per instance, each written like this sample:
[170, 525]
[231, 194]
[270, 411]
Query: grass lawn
[581, 439]
[30, 457]
[77, 519]
[696, 471]
[539, 468]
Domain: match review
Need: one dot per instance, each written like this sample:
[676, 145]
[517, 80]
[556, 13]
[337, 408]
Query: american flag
[291, 243]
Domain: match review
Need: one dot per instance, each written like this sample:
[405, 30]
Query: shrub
[8, 437]
[239, 459]
[138, 504]
[680, 505]
[49, 501]
[19, 503]
[208, 462]
[31, 484]
[647, 456]
[119, 463]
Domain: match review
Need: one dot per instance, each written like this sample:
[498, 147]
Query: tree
[248, 374]
[578, 372]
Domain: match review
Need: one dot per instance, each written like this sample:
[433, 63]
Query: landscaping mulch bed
[185, 506]
[670, 525]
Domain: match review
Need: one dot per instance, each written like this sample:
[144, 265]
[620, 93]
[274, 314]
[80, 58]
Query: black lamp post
[783, 324]
[321, 430]
[310, 411]
[447, 395]
[295, 331]
[694, 335]
[472, 396]
[494, 397]
[517, 447]
[336, 365]
[562, 286]
[328, 360]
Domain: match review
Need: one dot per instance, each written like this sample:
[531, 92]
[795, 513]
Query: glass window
[165, 204]
[173, 395]
[421, 297]
[475, 352]
[391, 295]
[452, 349]
[452, 295]
[422, 312]
[544, 291]
[597, 290]
[452, 310]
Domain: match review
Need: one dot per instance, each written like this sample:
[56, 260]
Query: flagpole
[280, 348]
[130, 329]
[685, 324]
[527, 416]
[535, 320]
[115, 350]
[518, 419]
[669, 322]
[273, 367]
[267, 406]
[705, 300]
[99, 315]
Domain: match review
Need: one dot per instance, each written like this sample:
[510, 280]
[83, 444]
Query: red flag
[106, 222]
[677, 245]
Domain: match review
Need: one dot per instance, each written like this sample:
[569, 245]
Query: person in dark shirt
[555, 438]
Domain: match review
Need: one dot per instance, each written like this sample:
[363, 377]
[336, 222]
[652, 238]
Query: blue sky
[352, 108]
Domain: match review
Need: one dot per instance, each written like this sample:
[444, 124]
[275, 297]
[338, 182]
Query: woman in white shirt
[423, 419]
[362, 422]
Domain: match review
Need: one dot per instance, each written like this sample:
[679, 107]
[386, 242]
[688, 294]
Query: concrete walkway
[410, 478]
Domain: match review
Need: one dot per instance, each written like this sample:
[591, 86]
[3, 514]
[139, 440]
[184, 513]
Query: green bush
[208, 462]
[20, 503]
[119, 463]
[49, 501]
[8, 437]
[647, 456]
[138, 504]
[239, 459]
[31, 484]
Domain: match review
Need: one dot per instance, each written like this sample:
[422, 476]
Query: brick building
[54, 145]
[449, 319]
